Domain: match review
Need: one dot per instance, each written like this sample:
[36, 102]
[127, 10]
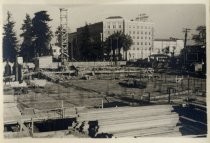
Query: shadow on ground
[192, 121]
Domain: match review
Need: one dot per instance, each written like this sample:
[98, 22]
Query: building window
[145, 32]
[129, 26]
[108, 32]
[119, 26]
[133, 26]
[137, 43]
[133, 43]
[114, 26]
[129, 32]
[149, 33]
[141, 27]
[133, 37]
[149, 37]
[137, 32]
[145, 37]
[138, 27]
[141, 37]
[141, 32]
[137, 37]
[141, 43]
[109, 26]
[137, 48]
[145, 43]
[145, 27]
[133, 32]
[149, 43]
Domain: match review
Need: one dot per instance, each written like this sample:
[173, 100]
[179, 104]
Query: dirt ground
[89, 93]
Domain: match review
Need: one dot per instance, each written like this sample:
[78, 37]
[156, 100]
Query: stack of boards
[145, 121]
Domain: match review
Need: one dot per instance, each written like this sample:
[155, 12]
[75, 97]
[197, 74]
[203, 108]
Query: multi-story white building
[142, 34]
[112, 25]
[140, 30]
[174, 45]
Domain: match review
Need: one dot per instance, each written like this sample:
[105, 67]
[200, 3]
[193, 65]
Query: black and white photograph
[104, 70]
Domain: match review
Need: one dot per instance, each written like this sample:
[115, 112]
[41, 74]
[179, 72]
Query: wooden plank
[134, 119]
[127, 108]
[137, 125]
[138, 133]
[172, 133]
[140, 113]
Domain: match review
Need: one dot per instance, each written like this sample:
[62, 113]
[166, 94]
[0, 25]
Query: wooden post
[188, 85]
[32, 126]
[149, 96]
[201, 84]
[165, 77]
[62, 104]
[20, 125]
[102, 103]
[62, 111]
[133, 99]
[169, 95]
[194, 81]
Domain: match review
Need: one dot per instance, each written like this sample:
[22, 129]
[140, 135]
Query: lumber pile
[131, 121]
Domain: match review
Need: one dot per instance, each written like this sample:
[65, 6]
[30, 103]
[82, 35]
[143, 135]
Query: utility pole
[186, 30]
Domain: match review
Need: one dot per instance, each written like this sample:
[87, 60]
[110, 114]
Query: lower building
[56, 51]
[168, 46]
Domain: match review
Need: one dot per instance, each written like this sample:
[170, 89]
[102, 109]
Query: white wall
[159, 45]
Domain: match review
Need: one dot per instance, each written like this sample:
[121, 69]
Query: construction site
[71, 99]
[105, 102]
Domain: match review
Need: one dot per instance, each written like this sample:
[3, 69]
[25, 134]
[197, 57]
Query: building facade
[173, 45]
[140, 30]
[142, 34]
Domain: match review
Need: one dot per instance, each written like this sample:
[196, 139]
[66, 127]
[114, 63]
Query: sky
[169, 19]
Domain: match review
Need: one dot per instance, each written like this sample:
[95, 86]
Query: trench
[53, 125]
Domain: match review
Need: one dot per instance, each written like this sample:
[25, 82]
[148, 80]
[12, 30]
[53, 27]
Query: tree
[85, 47]
[127, 42]
[41, 33]
[115, 42]
[91, 45]
[173, 51]
[166, 50]
[9, 40]
[200, 37]
[96, 52]
[27, 50]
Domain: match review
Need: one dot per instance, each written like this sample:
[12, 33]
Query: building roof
[114, 17]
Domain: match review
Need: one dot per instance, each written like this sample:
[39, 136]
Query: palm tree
[117, 41]
[166, 50]
[127, 42]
